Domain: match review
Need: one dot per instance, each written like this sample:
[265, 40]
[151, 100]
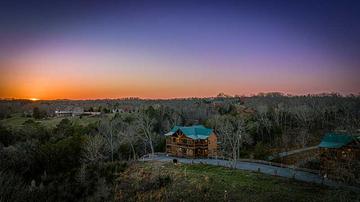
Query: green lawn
[16, 120]
[145, 182]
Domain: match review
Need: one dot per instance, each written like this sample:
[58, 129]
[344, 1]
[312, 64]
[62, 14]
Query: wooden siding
[212, 145]
[180, 145]
[341, 164]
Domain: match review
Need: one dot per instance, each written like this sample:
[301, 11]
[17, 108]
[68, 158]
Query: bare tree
[233, 134]
[304, 116]
[144, 126]
[215, 122]
[175, 119]
[93, 149]
[108, 129]
[263, 121]
[128, 135]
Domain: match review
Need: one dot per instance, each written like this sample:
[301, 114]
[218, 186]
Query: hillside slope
[157, 181]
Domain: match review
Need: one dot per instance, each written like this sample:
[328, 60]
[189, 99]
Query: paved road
[258, 167]
[287, 153]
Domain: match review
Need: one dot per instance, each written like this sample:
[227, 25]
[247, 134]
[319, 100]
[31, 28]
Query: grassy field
[17, 120]
[157, 181]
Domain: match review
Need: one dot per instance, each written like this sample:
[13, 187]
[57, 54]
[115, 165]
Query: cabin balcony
[201, 144]
[187, 144]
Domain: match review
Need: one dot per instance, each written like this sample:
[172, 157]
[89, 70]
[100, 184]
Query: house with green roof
[191, 141]
[337, 140]
[340, 156]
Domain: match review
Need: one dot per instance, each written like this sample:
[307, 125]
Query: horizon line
[189, 97]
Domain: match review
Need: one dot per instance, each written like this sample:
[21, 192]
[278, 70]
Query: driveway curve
[251, 166]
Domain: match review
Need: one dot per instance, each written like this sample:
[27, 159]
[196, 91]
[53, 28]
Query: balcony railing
[187, 144]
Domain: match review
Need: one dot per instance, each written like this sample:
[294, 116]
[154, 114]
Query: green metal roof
[335, 140]
[196, 132]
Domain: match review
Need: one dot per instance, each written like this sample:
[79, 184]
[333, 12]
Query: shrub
[260, 151]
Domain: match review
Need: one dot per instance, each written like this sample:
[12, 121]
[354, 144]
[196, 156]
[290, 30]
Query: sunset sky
[165, 49]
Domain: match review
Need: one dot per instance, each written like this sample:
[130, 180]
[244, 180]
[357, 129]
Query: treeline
[39, 164]
[274, 122]
[72, 162]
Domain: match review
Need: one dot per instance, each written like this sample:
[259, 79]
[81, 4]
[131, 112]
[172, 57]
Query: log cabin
[340, 157]
[191, 141]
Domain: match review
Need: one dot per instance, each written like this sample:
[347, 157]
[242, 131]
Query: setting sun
[34, 99]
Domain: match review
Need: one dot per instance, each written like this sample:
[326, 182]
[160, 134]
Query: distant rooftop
[196, 132]
[336, 140]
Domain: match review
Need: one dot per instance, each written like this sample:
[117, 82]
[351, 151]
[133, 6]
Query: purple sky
[167, 49]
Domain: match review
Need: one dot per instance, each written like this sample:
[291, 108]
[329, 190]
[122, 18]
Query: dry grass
[156, 181]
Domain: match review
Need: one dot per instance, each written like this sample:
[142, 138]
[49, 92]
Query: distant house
[191, 141]
[89, 114]
[340, 157]
[63, 113]
[77, 111]
[117, 111]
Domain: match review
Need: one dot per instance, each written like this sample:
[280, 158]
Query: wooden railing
[201, 143]
[189, 144]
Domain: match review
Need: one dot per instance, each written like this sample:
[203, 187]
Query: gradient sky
[165, 49]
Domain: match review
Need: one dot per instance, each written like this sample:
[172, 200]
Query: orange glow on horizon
[44, 75]
[197, 51]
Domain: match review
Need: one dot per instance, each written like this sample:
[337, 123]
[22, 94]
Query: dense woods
[73, 161]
